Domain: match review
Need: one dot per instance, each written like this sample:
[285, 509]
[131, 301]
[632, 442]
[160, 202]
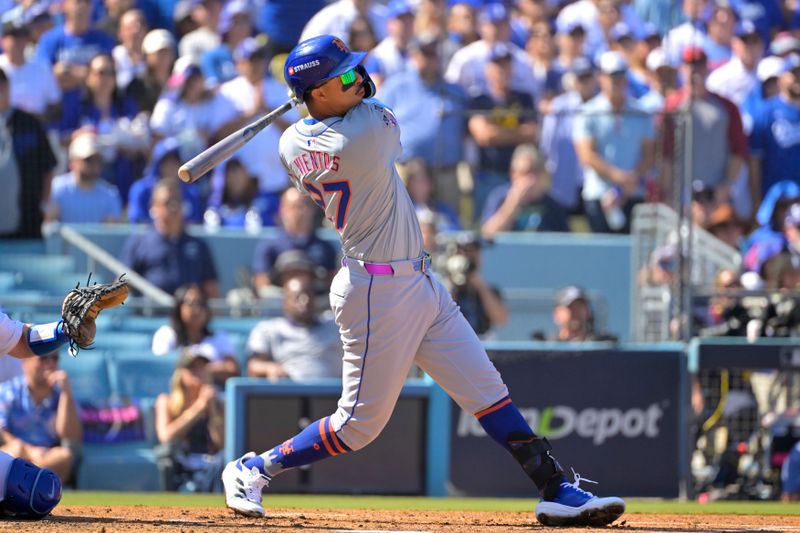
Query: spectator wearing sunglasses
[123, 135]
[190, 328]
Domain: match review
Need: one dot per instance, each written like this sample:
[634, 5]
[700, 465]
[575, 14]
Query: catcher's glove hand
[82, 305]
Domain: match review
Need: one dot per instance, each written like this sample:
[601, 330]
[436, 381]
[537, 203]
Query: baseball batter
[390, 310]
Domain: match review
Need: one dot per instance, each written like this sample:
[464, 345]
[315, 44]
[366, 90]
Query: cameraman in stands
[727, 315]
[481, 304]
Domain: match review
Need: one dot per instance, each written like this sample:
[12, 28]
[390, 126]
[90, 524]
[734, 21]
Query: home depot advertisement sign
[612, 416]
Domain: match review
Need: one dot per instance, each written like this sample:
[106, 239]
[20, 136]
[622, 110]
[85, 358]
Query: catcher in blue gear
[26, 490]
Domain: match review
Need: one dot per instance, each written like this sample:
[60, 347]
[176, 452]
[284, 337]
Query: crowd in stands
[152, 83]
[515, 115]
[609, 98]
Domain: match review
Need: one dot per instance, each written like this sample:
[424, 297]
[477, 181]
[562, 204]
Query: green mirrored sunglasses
[349, 77]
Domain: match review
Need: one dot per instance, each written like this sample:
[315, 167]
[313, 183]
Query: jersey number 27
[331, 188]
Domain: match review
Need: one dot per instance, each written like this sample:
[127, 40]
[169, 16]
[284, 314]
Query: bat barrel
[212, 156]
[203, 162]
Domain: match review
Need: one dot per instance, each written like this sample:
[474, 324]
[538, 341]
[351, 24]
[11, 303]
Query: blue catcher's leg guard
[31, 492]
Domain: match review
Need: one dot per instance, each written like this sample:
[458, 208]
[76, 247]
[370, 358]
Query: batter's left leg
[452, 354]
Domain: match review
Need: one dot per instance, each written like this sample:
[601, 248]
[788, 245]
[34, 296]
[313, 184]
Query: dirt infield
[104, 519]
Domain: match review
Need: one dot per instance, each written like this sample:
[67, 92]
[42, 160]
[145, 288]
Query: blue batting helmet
[317, 60]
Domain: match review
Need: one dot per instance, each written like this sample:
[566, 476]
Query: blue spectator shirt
[764, 14]
[319, 251]
[776, 139]
[56, 45]
[284, 20]
[20, 416]
[662, 13]
[77, 205]
[166, 263]
[265, 205]
[142, 190]
[119, 168]
[556, 143]
[431, 115]
[544, 215]
[718, 54]
[617, 138]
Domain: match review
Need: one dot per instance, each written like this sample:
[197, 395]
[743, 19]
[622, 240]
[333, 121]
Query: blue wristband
[46, 338]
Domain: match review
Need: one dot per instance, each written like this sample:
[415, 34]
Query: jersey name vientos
[347, 166]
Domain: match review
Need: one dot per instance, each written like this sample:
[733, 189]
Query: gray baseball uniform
[391, 311]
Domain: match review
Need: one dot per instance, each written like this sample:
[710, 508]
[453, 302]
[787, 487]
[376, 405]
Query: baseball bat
[212, 156]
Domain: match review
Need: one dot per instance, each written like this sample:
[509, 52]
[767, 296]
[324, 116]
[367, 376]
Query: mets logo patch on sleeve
[389, 118]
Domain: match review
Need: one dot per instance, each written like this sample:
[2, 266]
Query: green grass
[412, 503]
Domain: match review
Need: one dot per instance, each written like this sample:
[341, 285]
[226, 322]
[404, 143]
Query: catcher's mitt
[82, 305]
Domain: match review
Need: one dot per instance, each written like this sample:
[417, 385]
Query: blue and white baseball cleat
[243, 487]
[574, 506]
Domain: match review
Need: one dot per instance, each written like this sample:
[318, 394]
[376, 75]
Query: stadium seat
[145, 376]
[24, 246]
[141, 324]
[122, 467]
[88, 374]
[123, 340]
[8, 281]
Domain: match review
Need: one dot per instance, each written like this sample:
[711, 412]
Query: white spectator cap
[770, 67]
[784, 43]
[183, 64]
[612, 63]
[156, 40]
[657, 59]
[84, 146]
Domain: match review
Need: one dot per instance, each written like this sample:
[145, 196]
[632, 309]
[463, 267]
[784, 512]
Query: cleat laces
[255, 483]
[576, 484]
